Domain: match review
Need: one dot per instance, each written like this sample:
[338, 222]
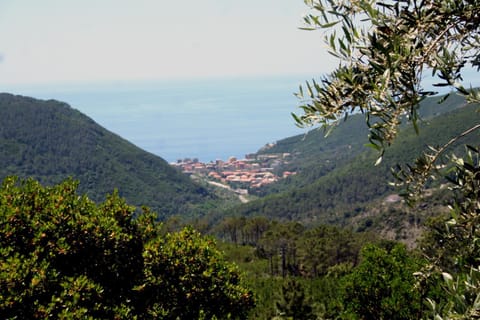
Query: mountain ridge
[50, 141]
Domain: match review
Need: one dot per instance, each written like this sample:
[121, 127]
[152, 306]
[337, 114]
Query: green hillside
[50, 141]
[317, 155]
[337, 180]
[314, 155]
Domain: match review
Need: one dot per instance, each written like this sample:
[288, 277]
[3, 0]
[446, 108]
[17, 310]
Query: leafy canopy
[63, 256]
[381, 284]
[385, 49]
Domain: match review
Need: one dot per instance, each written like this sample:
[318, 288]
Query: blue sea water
[206, 119]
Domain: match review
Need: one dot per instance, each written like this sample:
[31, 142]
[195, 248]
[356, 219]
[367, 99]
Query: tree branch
[454, 140]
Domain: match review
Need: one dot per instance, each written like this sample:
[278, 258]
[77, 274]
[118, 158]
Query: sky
[58, 41]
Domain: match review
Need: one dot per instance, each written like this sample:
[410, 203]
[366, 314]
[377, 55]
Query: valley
[303, 208]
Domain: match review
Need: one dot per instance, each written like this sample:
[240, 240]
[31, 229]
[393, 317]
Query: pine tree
[293, 302]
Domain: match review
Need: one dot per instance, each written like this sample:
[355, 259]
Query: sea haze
[204, 119]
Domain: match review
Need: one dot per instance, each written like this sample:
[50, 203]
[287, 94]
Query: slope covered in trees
[50, 141]
[337, 180]
[315, 154]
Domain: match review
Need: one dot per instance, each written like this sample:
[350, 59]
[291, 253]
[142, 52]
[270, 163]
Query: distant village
[254, 171]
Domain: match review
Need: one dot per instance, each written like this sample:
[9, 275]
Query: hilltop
[50, 141]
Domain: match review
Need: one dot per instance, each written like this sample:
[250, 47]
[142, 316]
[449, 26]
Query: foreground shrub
[63, 256]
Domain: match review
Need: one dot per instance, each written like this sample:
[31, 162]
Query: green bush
[63, 256]
[382, 286]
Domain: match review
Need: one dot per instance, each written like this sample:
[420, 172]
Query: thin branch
[454, 140]
[435, 42]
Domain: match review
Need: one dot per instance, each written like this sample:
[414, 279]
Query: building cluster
[252, 172]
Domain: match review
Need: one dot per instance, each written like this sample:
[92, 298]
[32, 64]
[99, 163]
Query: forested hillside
[317, 154]
[50, 141]
[337, 181]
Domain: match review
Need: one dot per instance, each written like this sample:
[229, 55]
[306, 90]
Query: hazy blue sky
[95, 40]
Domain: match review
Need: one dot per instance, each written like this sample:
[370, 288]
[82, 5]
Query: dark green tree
[326, 246]
[382, 286]
[255, 228]
[231, 228]
[279, 244]
[293, 303]
[63, 256]
[187, 278]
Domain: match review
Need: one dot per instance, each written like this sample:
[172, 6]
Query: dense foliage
[63, 256]
[384, 48]
[383, 285]
[50, 141]
[326, 272]
[292, 249]
[293, 303]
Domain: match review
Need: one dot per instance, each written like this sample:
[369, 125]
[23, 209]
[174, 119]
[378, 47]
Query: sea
[207, 119]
